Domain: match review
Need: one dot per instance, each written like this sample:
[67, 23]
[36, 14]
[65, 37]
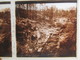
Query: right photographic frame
[46, 28]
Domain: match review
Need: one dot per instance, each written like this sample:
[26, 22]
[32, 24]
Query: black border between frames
[4, 2]
[47, 1]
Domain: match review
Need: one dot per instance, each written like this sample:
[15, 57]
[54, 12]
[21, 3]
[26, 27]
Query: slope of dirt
[36, 38]
[5, 34]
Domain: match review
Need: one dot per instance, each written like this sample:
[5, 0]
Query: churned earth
[42, 39]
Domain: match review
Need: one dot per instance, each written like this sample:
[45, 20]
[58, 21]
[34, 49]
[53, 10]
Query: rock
[39, 50]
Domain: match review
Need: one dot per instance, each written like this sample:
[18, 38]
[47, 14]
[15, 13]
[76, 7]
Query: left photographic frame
[5, 30]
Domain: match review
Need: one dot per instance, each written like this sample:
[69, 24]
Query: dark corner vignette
[43, 29]
[5, 30]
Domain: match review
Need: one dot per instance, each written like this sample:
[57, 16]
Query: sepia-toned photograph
[5, 30]
[46, 29]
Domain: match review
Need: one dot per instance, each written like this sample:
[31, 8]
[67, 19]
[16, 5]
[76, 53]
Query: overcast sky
[63, 6]
[3, 6]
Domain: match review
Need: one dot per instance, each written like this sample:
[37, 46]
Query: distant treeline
[5, 16]
[49, 13]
